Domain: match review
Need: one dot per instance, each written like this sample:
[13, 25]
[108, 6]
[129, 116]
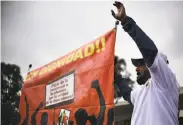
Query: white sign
[61, 90]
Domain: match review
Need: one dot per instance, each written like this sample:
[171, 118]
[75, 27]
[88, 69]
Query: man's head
[142, 71]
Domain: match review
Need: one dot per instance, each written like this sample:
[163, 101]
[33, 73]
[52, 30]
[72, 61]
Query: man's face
[142, 74]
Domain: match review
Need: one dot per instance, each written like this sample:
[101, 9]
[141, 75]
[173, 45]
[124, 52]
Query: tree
[11, 83]
[119, 69]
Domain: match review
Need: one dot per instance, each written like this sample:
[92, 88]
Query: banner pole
[116, 24]
[30, 66]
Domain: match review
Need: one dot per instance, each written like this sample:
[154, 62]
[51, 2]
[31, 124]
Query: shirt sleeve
[146, 46]
[161, 74]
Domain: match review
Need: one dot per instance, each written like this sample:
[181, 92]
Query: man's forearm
[144, 43]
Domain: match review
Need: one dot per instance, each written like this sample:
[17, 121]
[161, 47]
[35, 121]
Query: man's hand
[121, 11]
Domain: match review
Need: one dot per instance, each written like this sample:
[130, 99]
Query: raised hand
[121, 13]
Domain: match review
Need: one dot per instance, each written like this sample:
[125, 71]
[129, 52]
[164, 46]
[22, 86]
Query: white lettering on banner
[61, 90]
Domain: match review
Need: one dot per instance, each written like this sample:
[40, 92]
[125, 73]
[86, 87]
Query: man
[156, 101]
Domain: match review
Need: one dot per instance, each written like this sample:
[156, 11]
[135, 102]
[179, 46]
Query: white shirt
[156, 102]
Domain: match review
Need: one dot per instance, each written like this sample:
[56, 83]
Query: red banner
[76, 89]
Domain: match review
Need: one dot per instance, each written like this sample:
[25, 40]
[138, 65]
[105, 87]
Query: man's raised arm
[144, 43]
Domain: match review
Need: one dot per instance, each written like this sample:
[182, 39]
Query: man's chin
[140, 80]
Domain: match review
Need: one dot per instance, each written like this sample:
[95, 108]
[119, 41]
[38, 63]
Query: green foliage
[11, 83]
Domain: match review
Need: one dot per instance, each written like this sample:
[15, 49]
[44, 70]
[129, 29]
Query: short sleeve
[161, 73]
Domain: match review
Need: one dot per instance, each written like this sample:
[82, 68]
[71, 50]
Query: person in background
[155, 102]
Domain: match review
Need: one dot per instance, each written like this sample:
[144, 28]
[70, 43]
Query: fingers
[118, 4]
[113, 14]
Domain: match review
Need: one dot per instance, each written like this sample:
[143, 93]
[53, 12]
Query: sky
[39, 32]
